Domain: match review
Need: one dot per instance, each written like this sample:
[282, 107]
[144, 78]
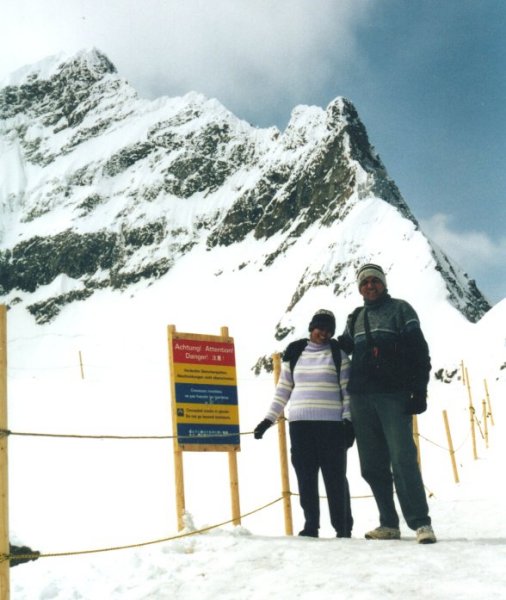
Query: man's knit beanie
[323, 319]
[371, 270]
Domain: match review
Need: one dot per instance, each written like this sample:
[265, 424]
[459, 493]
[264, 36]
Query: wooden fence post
[416, 437]
[81, 364]
[471, 415]
[490, 413]
[283, 456]
[450, 446]
[463, 370]
[485, 422]
[4, 479]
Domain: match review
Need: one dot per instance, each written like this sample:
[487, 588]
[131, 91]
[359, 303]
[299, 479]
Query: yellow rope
[6, 432]
[443, 447]
[35, 555]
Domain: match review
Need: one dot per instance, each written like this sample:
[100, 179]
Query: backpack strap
[293, 351]
[346, 341]
[353, 318]
[336, 356]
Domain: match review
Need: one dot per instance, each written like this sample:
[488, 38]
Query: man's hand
[417, 402]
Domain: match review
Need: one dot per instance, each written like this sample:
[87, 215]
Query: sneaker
[425, 535]
[384, 533]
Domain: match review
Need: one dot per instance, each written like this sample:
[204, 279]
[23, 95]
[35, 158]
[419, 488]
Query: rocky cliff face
[108, 189]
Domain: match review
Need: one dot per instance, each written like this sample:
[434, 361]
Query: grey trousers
[388, 455]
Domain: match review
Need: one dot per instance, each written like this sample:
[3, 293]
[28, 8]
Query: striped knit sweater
[313, 392]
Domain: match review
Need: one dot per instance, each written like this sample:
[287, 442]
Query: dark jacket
[394, 356]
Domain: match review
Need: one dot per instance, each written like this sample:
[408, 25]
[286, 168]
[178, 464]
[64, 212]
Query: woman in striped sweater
[313, 380]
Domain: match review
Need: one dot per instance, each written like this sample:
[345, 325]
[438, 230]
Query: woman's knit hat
[323, 319]
[370, 270]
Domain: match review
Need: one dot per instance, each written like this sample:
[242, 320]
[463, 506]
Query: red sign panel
[203, 352]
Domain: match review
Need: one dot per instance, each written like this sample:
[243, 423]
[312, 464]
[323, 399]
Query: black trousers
[315, 446]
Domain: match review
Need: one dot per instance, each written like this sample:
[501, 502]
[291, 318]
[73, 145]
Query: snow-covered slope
[71, 495]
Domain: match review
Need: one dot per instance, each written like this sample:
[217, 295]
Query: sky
[427, 78]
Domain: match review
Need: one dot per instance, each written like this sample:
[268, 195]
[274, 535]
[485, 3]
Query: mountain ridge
[110, 190]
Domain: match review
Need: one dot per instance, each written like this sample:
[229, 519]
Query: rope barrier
[325, 497]
[443, 447]
[431, 442]
[6, 432]
[479, 424]
[36, 555]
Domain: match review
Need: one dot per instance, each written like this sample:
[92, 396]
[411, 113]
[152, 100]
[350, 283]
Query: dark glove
[261, 428]
[417, 402]
[348, 433]
[345, 343]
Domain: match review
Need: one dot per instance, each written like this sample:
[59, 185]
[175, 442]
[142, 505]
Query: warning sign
[204, 382]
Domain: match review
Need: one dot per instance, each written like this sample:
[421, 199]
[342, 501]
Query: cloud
[481, 256]
[254, 55]
[471, 248]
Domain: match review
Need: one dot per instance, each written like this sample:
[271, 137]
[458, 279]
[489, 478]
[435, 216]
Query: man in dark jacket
[388, 384]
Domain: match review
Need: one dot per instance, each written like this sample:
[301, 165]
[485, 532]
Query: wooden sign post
[205, 411]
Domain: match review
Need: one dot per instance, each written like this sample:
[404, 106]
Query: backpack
[295, 349]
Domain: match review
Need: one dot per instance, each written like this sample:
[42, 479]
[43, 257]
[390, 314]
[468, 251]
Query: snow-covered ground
[71, 495]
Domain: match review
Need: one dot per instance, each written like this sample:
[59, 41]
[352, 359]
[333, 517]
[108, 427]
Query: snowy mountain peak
[90, 61]
[110, 190]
